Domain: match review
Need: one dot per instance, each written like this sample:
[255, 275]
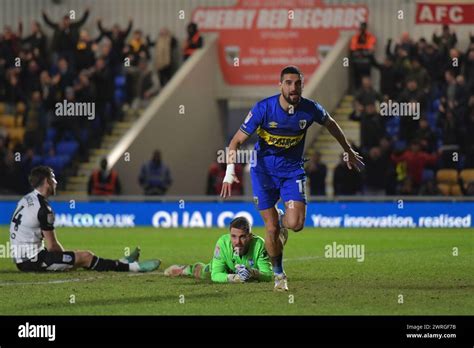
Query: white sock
[133, 267]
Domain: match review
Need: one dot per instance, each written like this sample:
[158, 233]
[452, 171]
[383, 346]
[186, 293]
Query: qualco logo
[75, 109]
[37, 331]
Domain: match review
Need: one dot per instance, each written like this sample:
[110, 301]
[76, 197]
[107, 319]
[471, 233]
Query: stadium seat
[19, 121]
[445, 189]
[20, 108]
[51, 134]
[435, 105]
[57, 163]
[67, 136]
[120, 87]
[447, 176]
[16, 134]
[7, 121]
[428, 175]
[37, 161]
[431, 118]
[467, 176]
[400, 145]
[48, 144]
[120, 81]
[392, 126]
[456, 190]
[67, 148]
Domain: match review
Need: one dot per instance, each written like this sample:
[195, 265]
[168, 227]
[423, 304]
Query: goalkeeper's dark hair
[38, 174]
[290, 69]
[241, 223]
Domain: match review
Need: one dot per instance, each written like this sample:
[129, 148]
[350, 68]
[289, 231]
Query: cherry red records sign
[258, 37]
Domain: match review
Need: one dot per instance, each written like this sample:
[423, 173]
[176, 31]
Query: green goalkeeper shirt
[225, 260]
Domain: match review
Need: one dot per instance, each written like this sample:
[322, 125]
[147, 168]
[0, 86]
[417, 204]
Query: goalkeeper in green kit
[239, 256]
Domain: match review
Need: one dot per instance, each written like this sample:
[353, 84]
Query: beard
[296, 98]
[241, 250]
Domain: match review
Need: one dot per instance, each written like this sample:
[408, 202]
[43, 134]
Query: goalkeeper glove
[243, 272]
[234, 278]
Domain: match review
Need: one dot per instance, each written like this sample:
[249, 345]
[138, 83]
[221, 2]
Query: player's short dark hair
[38, 174]
[290, 69]
[241, 223]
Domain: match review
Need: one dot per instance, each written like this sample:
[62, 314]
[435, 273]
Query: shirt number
[17, 218]
[301, 186]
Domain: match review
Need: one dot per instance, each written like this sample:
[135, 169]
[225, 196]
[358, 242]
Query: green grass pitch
[415, 263]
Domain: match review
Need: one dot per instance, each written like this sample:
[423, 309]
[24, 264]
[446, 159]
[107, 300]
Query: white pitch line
[305, 258]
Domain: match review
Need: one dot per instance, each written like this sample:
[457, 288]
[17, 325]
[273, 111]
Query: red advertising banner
[444, 13]
[258, 37]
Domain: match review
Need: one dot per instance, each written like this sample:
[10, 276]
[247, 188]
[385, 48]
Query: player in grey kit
[33, 222]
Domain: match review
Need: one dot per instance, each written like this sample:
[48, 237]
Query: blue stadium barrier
[217, 214]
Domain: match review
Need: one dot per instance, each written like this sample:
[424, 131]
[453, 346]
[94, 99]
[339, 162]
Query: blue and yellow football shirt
[281, 134]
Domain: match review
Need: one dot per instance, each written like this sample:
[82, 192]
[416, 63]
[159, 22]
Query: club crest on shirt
[50, 218]
[302, 124]
[255, 200]
[217, 252]
[249, 116]
[272, 124]
[251, 263]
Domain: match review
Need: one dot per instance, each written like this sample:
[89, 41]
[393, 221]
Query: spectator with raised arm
[66, 33]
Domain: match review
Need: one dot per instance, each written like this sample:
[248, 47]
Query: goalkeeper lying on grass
[239, 256]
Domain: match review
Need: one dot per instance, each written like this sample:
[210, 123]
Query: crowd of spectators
[404, 152]
[121, 66]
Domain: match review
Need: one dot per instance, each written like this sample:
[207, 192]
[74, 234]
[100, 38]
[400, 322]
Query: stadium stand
[67, 65]
[82, 68]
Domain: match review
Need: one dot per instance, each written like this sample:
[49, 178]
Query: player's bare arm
[354, 159]
[230, 177]
[52, 243]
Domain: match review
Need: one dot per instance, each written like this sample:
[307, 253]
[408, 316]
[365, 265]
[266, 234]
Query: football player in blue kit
[281, 122]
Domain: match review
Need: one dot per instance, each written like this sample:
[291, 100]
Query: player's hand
[235, 278]
[227, 188]
[229, 178]
[354, 160]
[243, 272]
